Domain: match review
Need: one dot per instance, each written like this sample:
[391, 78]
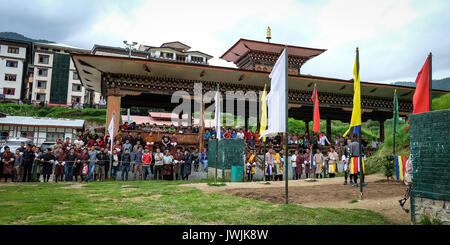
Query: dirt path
[379, 196]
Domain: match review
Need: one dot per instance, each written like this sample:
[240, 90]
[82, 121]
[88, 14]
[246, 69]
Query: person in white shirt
[323, 138]
[294, 165]
[78, 142]
[240, 134]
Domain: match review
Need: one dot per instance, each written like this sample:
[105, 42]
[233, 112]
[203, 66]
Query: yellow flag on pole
[264, 114]
[356, 112]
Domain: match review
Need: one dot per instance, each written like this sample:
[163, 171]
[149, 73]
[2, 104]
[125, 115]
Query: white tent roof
[41, 122]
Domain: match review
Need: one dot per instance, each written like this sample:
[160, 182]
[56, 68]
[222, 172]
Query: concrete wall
[430, 149]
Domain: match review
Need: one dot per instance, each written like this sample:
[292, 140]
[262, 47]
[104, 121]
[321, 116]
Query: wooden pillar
[246, 113]
[307, 127]
[329, 129]
[382, 131]
[202, 126]
[258, 116]
[114, 100]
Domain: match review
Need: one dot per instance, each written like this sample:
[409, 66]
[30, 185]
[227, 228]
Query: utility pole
[130, 47]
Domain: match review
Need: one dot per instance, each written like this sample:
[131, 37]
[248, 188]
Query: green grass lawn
[156, 202]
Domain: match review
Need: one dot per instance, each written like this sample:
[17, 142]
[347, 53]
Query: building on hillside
[14, 60]
[170, 51]
[39, 130]
[55, 79]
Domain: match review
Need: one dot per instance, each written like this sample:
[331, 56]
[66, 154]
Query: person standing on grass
[115, 164]
[195, 159]
[70, 163]
[61, 158]
[346, 156]
[27, 163]
[17, 170]
[299, 165]
[333, 157]
[146, 162]
[294, 164]
[167, 166]
[92, 160]
[8, 164]
[250, 165]
[178, 160]
[318, 163]
[307, 162]
[268, 170]
[137, 163]
[158, 164]
[278, 166]
[47, 159]
[82, 158]
[125, 163]
[84, 172]
[37, 162]
[204, 159]
[101, 162]
[188, 158]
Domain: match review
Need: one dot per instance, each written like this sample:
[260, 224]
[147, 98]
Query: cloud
[394, 36]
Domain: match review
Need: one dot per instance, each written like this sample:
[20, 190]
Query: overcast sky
[394, 37]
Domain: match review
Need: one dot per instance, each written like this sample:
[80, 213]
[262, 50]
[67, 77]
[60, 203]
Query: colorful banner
[354, 165]
[400, 165]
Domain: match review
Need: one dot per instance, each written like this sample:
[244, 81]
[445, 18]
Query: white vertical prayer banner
[276, 99]
[111, 132]
[217, 118]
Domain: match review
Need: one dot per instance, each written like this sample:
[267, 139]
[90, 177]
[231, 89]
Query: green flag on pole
[396, 118]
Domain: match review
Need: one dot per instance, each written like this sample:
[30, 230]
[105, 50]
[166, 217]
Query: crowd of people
[90, 158]
[309, 162]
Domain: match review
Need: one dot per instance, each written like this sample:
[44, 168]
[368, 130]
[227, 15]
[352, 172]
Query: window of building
[53, 136]
[197, 59]
[43, 48]
[76, 87]
[13, 50]
[67, 51]
[181, 58]
[40, 97]
[27, 134]
[9, 91]
[43, 59]
[11, 63]
[75, 76]
[166, 55]
[42, 72]
[76, 99]
[10, 77]
[41, 84]
[57, 50]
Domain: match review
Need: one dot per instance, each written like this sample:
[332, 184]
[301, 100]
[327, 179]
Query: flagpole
[217, 138]
[360, 143]
[312, 132]
[395, 115]
[286, 130]
[431, 85]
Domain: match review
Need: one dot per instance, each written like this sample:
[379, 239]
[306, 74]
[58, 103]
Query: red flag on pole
[421, 98]
[422, 94]
[316, 114]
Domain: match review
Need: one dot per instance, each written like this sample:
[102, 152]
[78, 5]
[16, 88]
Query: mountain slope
[20, 37]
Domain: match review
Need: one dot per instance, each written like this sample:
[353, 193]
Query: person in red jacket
[146, 161]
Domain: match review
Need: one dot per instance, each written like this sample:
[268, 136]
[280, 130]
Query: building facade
[14, 57]
[170, 51]
[55, 79]
[39, 130]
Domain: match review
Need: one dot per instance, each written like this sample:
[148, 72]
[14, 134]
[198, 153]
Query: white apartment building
[171, 51]
[13, 64]
[55, 79]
